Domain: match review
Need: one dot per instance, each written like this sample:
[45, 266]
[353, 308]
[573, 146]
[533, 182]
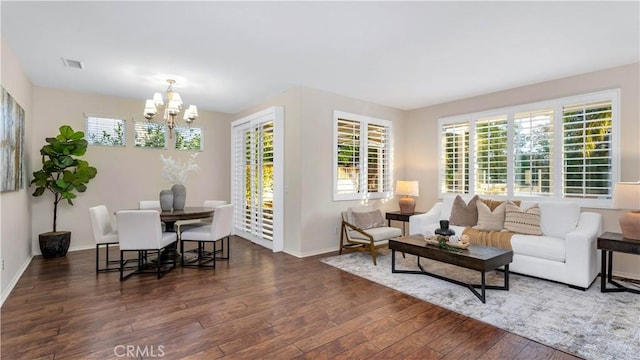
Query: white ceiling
[227, 56]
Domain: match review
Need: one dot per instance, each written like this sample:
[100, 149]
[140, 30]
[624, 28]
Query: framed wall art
[11, 144]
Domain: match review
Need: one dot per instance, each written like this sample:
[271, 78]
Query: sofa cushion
[462, 213]
[367, 220]
[522, 221]
[558, 218]
[543, 247]
[490, 220]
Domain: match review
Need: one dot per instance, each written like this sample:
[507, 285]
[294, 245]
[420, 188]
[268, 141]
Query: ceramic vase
[179, 196]
[166, 200]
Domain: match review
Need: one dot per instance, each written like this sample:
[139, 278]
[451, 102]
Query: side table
[609, 242]
[398, 216]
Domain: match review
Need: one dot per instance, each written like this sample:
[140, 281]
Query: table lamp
[626, 196]
[407, 189]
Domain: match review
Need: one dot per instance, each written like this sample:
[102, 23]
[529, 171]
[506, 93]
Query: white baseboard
[15, 279]
[71, 248]
[310, 253]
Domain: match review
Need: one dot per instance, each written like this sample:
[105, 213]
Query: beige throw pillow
[522, 221]
[490, 220]
[367, 220]
[463, 214]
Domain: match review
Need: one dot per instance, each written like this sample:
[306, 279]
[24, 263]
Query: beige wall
[15, 218]
[311, 216]
[421, 156]
[125, 175]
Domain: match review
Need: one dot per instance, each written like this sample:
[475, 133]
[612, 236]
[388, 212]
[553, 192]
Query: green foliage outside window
[150, 135]
[188, 138]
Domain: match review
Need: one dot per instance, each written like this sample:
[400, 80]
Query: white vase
[166, 200]
[179, 196]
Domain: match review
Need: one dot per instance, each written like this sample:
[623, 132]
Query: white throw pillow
[490, 220]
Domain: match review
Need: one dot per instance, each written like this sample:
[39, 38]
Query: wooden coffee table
[475, 257]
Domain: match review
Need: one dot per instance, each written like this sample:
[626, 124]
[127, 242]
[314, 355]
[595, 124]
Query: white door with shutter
[257, 178]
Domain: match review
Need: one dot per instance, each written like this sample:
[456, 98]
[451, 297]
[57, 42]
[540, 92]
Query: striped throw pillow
[522, 221]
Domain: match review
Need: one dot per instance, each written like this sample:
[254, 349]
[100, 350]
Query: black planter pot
[54, 244]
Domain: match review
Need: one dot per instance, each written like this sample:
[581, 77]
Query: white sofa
[566, 252]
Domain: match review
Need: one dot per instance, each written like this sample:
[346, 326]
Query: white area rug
[588, 324]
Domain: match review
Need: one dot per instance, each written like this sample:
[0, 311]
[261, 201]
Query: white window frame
[612, 95]
[363, 190]
[105, 117]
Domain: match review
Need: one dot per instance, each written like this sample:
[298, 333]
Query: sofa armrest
[581, 251]
[418, 223]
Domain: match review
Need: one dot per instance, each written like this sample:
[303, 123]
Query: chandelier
[172, 103]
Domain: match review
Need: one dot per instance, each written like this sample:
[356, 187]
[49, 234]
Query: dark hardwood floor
[257, 305]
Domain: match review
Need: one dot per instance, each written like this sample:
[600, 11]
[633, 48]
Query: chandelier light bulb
[173, 106]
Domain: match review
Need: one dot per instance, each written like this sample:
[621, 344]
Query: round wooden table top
[188, 213]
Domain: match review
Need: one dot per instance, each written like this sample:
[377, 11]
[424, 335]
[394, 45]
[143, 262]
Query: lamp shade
[626, 195]
[407, 188]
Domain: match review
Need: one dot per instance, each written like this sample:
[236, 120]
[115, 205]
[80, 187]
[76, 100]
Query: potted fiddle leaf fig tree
[63, 174]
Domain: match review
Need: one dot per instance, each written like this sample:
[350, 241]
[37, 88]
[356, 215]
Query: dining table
[170, 217]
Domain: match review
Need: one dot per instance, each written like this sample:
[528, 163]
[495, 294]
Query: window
[149, 135]
[105, 130]
[362, 157]
[188, 138]
[560, 148]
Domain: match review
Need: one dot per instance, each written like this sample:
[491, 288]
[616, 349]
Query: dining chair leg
[121, 267]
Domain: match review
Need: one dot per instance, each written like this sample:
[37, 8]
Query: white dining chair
[104, 235]
[190, 224]
[218, 230]
[141, 231]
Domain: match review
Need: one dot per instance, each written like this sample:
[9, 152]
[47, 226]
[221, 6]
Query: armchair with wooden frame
[364, 229]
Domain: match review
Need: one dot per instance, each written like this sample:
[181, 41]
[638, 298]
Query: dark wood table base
[476, 257]
[483, 286]
[609, 242]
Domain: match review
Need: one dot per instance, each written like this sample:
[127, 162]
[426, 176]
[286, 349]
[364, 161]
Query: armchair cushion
[378, 234]
[367, 220]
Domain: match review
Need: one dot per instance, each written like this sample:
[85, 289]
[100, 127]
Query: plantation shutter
[255, 178]
[587, 150]
[378, 159]
[491, 156]
[348, 157]
[362, 157]
[454, 165]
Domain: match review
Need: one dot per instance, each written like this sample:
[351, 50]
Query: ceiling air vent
[74, 64]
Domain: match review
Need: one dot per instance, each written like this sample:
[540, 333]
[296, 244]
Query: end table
[609, 242]
[398, 216]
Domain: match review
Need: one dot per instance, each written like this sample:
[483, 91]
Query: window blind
[454, 165]
[587, 151]
[105, 131]
[491, 155]
[363, 157]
